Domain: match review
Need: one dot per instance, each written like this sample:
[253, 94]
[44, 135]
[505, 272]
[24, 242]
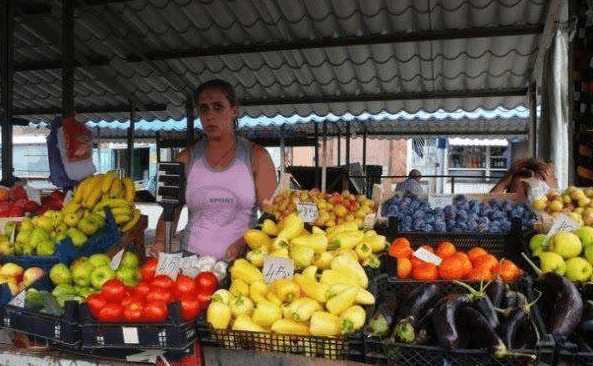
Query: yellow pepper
[310, 272]
[350, 267]
[345, 240]
[372, 261]
[285, 326]
[342, 301]
[377, 243]
[278, 244]
[257, 291]
[316, 230]
[256, 256]
[323, 260]
[244, 323]
[348, 226]
[352, 319]
[363, 251]
[239, 288]
[257, 239]
[266, 313]
[218, 315]
[246, 271]
[285, 289]
[292, 226]
[223, 296]
[269, 227]
[324, 324]
[370, 233]
[302, 256]
[304, 309]
[349, 252]
[330, 277]
[363, 297]
[271, 297]
[317, 242]
[282, 252]
[242, 305]
[311, 287]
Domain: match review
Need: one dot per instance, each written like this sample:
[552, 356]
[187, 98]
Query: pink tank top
[221, 203]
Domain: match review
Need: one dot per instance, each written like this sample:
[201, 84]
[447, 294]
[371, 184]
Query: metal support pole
[189, 110]
[339, 146]
[282, 154]
[99, 148]
[348, 147]
[67, 57]
[317, 181]
[364, 151]
[324, 161]
[7, 74]
[130, 151]
[158, 147]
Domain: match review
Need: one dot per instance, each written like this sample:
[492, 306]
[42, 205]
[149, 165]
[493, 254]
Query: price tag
[427, 256]
[276, 268]
[116, 260]
[369, 221]
[440, 200]
[19, 300]
[308, 212]
[169, 264]
[561, 223]
[130, 335]
[33, 194]
[189, 266]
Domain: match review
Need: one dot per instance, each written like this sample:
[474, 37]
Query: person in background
[412, 183]
[514, 179]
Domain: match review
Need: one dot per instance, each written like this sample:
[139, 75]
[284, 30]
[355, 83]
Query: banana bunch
[107, 190]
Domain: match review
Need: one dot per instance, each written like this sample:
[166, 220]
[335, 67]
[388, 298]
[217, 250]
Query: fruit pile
[302, 305]
[147, 301]
[577, 202]
[15, 202]
[493, 318]
[86, 276]
[494, 216]
[291, 240]
[95, 193]
[17, 278]
[473, 266]
[568, 254]
[334, 209]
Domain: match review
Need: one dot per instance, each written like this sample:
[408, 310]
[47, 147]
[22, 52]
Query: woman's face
[216, 113]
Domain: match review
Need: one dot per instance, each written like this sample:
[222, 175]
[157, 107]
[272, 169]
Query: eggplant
[382, 320]
[413, 331]
[418, 302]
[514, 299]
[445, 322]
[496, 291]
[586, 326]
[518, 329]
[481, 302]
[562, 306]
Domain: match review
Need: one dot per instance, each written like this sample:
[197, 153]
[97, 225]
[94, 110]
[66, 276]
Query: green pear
[63, 289]
[585, 233]
[552, 262]
[24, 236]
[578, 269]
[100, 275]
[81, 273]
[60, 274]
[45, 223]
[566, 244]
[78, 237]
[99, 260]
[46, 248]
[72, 218]
[129, 259]
[38, 235]
[537, 243]
[87, 226]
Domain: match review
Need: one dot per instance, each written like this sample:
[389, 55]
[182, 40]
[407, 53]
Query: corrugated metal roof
[289, 80]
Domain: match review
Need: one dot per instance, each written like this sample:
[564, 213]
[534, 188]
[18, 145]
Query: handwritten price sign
[308, 212]
[276, 268]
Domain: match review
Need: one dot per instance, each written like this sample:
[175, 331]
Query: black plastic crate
[378, 350]
[174, 334]
[64, 330]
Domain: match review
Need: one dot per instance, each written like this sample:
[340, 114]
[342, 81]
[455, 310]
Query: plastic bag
[78, 140]
[76, 170]
[536, 189]
[57, 172]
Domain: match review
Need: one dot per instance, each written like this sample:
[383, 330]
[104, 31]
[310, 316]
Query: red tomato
[190, 307]
[131, 299]
[114, 291]
[95, 303]
[155, 312]
[111, 313]
[142, 289]
[133, 312]
[206, 282]
[204, 299]
[159, 294]
[16, 211]
[162, 281]
[18, 192]
[148, 268]
[184, 286]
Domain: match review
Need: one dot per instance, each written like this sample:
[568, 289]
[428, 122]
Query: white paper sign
[169, 264]
[189, 266]
[440, 200]
[116, 260]
[276, 268]
[130, 335]
[33, 194]
[19, 300]
[561, 223]
[427, 256]
[369, 221]
[308, 212]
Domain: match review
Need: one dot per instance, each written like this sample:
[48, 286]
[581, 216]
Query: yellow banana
[121, 211]
[116, 188]
[130, 224]
[71, 207]
[130, 188]
[121, 219]
[81, 190]
[93, 196]
[112, 203]
[107, 181]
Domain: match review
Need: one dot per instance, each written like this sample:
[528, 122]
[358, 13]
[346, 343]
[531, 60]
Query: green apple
[88, 226]
[566, 244]
[78, 237]
[45, 223]
[100, 275]
[24, 236]
[129, 259]
[585, 233]
[100, 260]
[589, 253]
[39, 235]
[552, 262]
[46, 248]
[27, 225]
[128, 275]
[537, 242]
[578, 269]
[81, 273]
[64, 290]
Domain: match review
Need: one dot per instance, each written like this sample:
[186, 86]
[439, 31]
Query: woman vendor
[228, 178]
[514, 179]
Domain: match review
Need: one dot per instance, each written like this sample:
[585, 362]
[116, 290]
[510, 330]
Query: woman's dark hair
[221, 85]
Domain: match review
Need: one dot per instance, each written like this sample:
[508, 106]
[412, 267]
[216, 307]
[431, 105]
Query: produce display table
[222, 357]
[11, 356]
